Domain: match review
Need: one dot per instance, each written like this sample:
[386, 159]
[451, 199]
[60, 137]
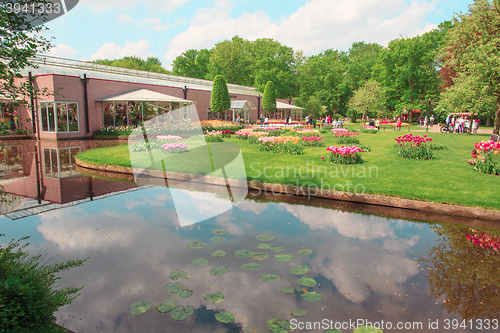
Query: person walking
[398, 124]
[432, 120]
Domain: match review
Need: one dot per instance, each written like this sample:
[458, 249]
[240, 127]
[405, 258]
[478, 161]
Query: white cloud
[127, 19]
[63, 51]
[151, 5]
[110, 50]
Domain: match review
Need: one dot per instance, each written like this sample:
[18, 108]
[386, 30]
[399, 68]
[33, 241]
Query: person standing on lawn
[398, 124]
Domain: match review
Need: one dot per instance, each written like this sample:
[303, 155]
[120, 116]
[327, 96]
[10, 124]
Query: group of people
[461, 124]
[424, 121]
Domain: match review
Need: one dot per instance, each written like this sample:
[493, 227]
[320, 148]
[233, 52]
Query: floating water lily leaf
[185, 293]
[224, 317]
[220, 231]
[260, 255]
[299, 312]
[284, 257]
[173, 288]
[197, 245]
[217, 239]
[181, 313]
[215, 297]
[139, 308]
[299, 269]
[218, 253]
[287, 291]
[308, 282]
[367, 329]
[311, 297]
[200, 262]
[165, 306]
[264, 246]
[243, 253]
[277, 325]
[332, 331]
[277, 249]
[305, 252]
[270, 277]
[265, 238]
[219, 270]
[178, 275]
[251, 267]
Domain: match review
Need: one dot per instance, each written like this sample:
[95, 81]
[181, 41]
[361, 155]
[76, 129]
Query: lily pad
[224, 317]
[139, 308]
[311, 296]
[277, 248]
[277, 325]
[260, 255]
[243, 253]
[367, 329]
[185, 293]
[178, 275]
[220, 232]
[173, 287]
[305, 252]
[308, 282]
[252, 267]
[219, 270]
[217, 239]
[265, 238]
[270, 277]
[200, 262]
[218, 253]
[181, 313]
[197, 245]
[299, 312]
[264, 246]
[215, 297]
[284, 257]
[165, 307]
[287, 291]
[299, 269]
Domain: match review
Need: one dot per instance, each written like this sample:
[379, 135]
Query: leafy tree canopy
[219, 99]
[269, 98]
[151, 64]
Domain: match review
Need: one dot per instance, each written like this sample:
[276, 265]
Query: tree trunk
[497, 117]
[488, 121]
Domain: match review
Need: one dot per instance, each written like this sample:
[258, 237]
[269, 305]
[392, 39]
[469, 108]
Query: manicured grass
[445, 179]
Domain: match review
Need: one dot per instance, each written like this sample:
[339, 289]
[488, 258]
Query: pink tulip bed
[214, 136]
[483, 239]
[413, 147]
[169, 137]
[312, 141]
[344, 155]
[346, 137]
[174, 148]
[486, 157]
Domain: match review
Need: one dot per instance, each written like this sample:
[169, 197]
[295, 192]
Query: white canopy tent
[280, 106]
[162, 102]
[242, 108]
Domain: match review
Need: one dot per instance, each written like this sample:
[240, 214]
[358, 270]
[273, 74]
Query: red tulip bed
[486, 157]
[413, 147]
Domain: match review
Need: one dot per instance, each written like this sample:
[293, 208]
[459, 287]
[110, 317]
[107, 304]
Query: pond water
[414, 276]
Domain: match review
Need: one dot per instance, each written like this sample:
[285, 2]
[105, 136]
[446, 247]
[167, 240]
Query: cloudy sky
[110, 29]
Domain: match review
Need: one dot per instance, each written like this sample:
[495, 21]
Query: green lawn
[445, 179]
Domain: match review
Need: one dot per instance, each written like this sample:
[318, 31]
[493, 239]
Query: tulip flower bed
[345, 137]
[483, 239]
[169, 137]
[219, 125]
[144, 146]
[344, 154]
[214, 136]
[174, 148]
[413, 147]
[486, 157]
[312, 141]
[284, 145]
[226, 134]
[253, 137]
[369, 129]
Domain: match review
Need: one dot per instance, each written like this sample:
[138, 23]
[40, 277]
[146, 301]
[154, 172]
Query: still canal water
[423, 275]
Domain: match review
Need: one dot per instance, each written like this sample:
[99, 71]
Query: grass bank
[447, 178]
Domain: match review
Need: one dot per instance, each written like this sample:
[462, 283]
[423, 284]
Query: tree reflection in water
[463, 275]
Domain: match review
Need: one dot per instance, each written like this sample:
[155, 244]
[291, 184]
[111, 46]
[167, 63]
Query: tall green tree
[269, 98]
[369, 100]
[471, 49]
[230, 59]
[219, 99]
[192, 63]
[151, 64]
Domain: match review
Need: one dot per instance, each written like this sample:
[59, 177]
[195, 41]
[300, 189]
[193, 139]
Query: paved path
[436, 129]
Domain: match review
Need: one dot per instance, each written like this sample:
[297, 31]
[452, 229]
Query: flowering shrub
[483, 239]
[169, 137]
[213, 136]
[413, 147]
[344, 154]
[485, 157]
[281, 145]
[312, 141]
[174, 148]
[345, 137]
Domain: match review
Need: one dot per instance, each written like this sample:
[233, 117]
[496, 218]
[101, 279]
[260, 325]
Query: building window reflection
[11, 161]
[60, 162]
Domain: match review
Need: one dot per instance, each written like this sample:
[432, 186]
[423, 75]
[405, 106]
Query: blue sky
[110, 29]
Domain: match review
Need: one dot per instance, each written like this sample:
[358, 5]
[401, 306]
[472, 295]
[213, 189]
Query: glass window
[44, 111]
[60, 163]
[59, 117]
[73, 123]
[51, 114]
[62, 117]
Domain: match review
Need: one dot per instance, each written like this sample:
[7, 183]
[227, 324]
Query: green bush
[27, 295]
